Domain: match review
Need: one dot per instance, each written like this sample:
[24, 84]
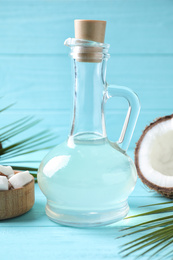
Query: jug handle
[132, 113]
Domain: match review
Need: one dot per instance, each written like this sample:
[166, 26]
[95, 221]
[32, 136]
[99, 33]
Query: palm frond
[159, 234]
[16, 122]
[31, 144]
[26, 144]
[17, 130]
[7, 107]
[156, 204]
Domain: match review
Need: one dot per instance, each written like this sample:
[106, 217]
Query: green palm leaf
[31, 144]
[159, 236]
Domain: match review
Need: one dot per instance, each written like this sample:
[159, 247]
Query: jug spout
[87, 51]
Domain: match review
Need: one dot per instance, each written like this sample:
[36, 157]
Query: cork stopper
[92, 30]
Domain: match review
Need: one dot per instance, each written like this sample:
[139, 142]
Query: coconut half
[154, 156]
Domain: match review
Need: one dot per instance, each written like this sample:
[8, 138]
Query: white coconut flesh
[155, 158]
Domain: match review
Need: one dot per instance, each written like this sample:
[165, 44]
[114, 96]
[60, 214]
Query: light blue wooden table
[35, 71]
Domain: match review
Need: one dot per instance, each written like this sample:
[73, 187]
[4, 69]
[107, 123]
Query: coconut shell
[167, 192]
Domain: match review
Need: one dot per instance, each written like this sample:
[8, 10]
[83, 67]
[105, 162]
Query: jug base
[87, 219]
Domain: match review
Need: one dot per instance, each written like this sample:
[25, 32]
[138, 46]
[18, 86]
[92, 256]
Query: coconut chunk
[3, 183]
[154, 156]
[7, 171]
[20, 179]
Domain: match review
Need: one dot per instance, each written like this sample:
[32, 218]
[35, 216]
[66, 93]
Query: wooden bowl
[16, 202]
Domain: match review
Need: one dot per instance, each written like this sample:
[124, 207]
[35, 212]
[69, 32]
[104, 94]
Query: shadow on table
[34, 217]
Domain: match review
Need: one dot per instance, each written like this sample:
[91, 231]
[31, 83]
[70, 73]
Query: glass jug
[87, 179]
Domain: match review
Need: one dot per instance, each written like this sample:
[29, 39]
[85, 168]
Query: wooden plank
[41, 85]
[44, 82]
[61, 243]
[42, 26]
[60, 123]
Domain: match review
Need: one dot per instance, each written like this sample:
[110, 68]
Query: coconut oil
[86, 182]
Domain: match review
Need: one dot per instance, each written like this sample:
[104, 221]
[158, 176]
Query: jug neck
[89, 98]
[89, 72]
